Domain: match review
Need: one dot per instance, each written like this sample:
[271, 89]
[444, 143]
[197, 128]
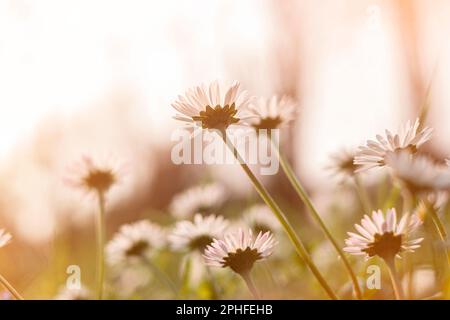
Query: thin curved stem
[161, 276]
[100, 245]
[362, 194]
[300, 248]
[440, 228]
[10, 288]
[312, 210]
[396, 285]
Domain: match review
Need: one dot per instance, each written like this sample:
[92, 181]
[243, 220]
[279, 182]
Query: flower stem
[362, 194]
[396, 285]
[440, 228]
[251, 286]
[10, 288]
[161, 276]
[312, 210]
[300, 248]
[100, 245]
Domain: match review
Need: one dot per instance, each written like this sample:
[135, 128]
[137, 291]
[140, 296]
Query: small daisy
[74, 294]
[134, 242]
[271, 113]
[383, 236]
[89, 175]
[212, 107]
[5, 238]
[374, 153]
[203, 199]
[419, 173]
[196, 235]
[261, 219]
[342, 165]
[240, 250]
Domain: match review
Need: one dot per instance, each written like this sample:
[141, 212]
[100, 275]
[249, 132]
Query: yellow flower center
[218, 117]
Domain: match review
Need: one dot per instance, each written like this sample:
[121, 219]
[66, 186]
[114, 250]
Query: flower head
[5, 237]
[419, 173]
[197, 234]
[81, 293]
[212, 107]
[90, 175]
[203, 199]
[342, 165]
[409, 139]
[135, 241]
[261, 219]
[239, 250]
[382, 236]
[271, 113]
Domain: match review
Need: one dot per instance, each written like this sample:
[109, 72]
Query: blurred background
[98, 77]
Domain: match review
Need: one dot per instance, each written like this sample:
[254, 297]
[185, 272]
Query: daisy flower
[374, 153]
[90, 175]
[203, 199]
[134, 242]
[419, 173]
[5, 237]
[74, 294]
[212, 106]
[271, 113]
[196, 235]
[383, 236]
[239, 250]
[261, 219]
[342, 165]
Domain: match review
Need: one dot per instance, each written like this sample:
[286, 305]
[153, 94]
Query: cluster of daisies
[200, 232]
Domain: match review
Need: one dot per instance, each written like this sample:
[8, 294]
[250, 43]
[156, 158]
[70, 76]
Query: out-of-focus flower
[135, 241]
[261, 219]
[203, 199]
[383, 236]
[342, 165]
[240, 250]
[271, 113]
[5, 295]
[212, 106]
[197, 234]
[374, 153]
[447, 161]
[5, 237]
[419, 173]
[93, 176]
[81, 293]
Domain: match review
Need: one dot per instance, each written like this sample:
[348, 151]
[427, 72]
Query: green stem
[363, 196]
[100, 244]
[312, 210]
[440, 228]
[251, 286]
[161, 276]
[10, 288]
[300, 248]
[396, 285]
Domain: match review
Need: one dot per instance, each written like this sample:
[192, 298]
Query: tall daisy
[203, 199]
[5, 238]
[239, 251]
[383, 236]
[213, 106]
[197, 234]
[98, 178]
[410, 138]
[272, 113]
